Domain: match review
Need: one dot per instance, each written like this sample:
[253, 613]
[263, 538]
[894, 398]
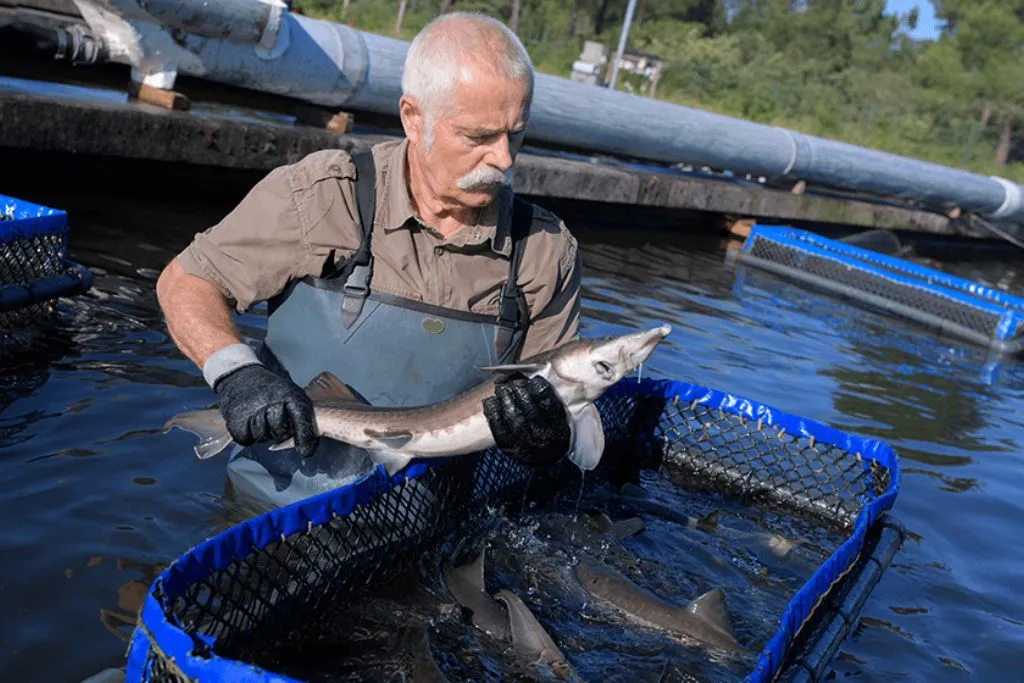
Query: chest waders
[389, 350]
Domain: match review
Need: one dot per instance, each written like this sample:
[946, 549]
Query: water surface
[96, 500]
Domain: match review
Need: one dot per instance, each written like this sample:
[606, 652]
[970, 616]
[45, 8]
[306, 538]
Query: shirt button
[438, 250]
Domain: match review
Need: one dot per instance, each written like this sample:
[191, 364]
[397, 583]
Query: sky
[926, 26]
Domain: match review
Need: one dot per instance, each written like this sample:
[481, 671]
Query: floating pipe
[336, 66]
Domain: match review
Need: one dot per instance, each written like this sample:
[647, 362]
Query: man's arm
[197, 314]
[249, 256]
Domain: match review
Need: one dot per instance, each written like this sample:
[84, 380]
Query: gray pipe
[336, 66]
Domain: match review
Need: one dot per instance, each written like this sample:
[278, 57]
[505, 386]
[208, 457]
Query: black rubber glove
[259, 405]
[528, 420]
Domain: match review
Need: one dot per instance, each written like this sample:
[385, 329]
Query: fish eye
[603, 367]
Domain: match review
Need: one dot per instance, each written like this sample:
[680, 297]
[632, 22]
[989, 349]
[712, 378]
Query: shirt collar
[493, 224]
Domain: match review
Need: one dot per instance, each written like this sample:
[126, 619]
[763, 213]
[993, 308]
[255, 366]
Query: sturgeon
[705, 619]
[580, 372]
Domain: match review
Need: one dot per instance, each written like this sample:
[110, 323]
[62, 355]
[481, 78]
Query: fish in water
[424, 668]
[466, 584]
[705, 619]
[530, 641]
[591, 532]
[637, 498]
[580, 371]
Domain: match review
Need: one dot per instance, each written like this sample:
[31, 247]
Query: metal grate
[283, 597]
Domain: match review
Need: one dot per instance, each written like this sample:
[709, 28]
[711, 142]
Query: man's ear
[412, 119]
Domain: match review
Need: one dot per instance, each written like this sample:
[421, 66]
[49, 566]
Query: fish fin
[627, 527]
[390, 439]
[390, 460]
[587, 437]
[473, 572]
[525, 368]
[520, 621]
[327, 388]
[621, 529]
[708, 522]
[712, 609]
[208, 425]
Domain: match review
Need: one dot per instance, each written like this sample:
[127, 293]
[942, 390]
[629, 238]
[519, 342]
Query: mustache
[484, 177]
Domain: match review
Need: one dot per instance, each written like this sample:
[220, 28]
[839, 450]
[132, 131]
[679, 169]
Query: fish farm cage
[270, 583]
[952, 305]
[34, 268]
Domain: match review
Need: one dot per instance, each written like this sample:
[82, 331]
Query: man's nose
[501, 153]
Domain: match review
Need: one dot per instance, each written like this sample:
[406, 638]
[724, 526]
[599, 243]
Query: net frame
[961, 307]
[34, 268]
[646, 423]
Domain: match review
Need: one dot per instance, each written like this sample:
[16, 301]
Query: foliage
[843, 69]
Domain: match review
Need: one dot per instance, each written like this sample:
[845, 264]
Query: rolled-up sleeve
[252, 253]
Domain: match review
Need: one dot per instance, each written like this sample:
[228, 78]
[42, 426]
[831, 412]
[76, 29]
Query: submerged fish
[466, 584]
[530, 641]
[423, 666]
[705, 619]
[580, 371]
[636, 497]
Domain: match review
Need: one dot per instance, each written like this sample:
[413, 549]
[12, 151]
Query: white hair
[437, 52]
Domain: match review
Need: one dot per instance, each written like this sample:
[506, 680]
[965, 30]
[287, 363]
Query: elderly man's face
[475, 139]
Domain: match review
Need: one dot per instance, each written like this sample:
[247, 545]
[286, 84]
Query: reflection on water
[96, 499]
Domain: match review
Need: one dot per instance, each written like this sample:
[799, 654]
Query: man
[454, 275]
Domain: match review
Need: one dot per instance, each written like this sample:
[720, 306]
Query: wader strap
[513, 314]
[357, 283]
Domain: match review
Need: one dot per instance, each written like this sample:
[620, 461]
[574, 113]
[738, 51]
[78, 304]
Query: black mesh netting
[874, 281]
[23, 260]
[281, 598]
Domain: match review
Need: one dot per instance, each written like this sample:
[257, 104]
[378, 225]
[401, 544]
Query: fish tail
[208, 425]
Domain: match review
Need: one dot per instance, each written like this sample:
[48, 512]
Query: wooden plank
[329, 119]
[168, 99]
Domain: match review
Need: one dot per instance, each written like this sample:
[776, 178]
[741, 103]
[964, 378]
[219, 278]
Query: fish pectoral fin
[391, 461]
[473, 573]
[587, 437]
[208, 425]
[711, 608]
[389, 439]
[327, 388]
